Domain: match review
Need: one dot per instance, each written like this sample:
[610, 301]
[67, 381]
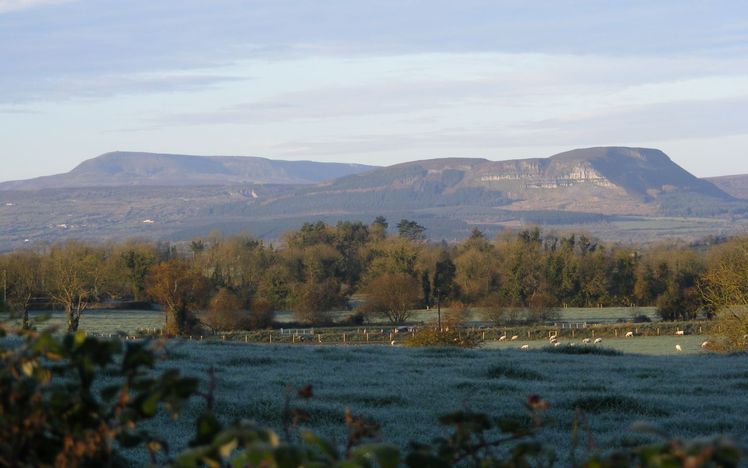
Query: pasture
[649, 345]
[406, 389]
[105, 321]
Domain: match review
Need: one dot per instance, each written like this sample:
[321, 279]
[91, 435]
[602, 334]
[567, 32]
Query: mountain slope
[609, 180]
[735, 185]
[127, 168]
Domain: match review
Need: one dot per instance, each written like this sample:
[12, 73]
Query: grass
[618, 404]
[691, 395]
[585, 349]
[512, 371]
[646, 345]
[107, 322]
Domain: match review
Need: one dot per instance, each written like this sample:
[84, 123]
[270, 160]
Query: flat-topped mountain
[129, 168]
[607, 180]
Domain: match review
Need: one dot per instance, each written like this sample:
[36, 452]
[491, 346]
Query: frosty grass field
[691, 393]
[406, 389]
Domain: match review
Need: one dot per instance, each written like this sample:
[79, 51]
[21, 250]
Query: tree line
[239, 281]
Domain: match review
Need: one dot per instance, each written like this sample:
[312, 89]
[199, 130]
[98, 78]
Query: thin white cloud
[7, 6]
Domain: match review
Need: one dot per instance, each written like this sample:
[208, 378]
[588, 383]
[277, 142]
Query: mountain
[630, 194]
[128, 168]
[606, 180]
[735, 185]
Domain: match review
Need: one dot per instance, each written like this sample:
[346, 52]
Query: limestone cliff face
[639, 172]
[544, 174]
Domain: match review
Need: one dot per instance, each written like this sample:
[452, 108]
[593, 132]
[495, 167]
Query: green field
[406, 389]
[106, 322]
[649, 345]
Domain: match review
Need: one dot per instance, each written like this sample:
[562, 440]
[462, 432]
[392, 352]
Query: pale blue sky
[376, 82]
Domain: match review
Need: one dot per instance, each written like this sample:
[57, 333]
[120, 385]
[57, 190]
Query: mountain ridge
[125, 168]
[591, 188]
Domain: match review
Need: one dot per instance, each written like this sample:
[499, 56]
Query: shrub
[224, 312]
[54, 412]
[261, 314]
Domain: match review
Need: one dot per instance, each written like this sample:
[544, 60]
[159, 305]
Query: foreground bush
[52, 413]
[55, 410]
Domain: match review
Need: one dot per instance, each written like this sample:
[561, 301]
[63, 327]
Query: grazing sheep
[678, 348]
[524, 346]
[586, 340]
[598, 340]
[515, 337]
[679, 333]
[629, 334]
[553, 340]
[705, 344]
[392, 343]
[556, 343]
[502, 338]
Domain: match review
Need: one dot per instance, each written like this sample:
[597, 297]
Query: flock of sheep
[553, 340]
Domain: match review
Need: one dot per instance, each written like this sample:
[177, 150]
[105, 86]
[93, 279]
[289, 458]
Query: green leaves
[47, 384]
[385, 455]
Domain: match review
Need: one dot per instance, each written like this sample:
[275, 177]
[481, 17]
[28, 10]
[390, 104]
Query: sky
[373, 82]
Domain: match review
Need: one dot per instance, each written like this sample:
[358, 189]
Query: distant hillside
[735, 185]
[126, 169]
[618, 193]
[614, 180]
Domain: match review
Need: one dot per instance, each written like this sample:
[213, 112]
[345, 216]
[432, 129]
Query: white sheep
[515, 337]
[598, 340]
[586, 340]
[629, 334]
[678, 348]
[679, 333]
[705, 344]
[525, 346]
[502, 338]
[556, 344]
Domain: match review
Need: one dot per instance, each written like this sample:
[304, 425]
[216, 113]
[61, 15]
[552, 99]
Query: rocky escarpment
[609, 180]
